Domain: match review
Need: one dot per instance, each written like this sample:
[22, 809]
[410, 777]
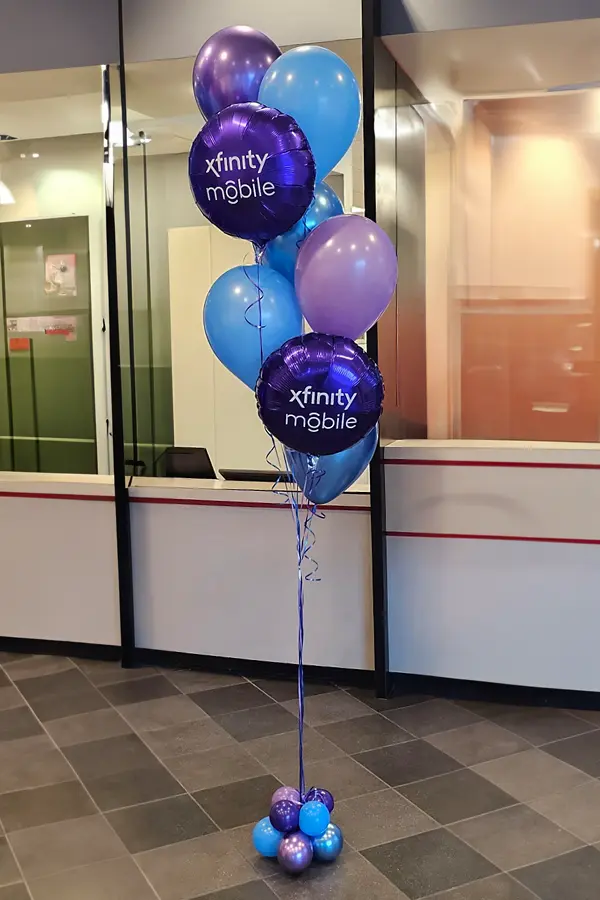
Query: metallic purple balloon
[251, 172]
[319, 394]
[286, 793]
[322, 796]
[285, 815]
[295, 853]
[231, 66]
[346, 275]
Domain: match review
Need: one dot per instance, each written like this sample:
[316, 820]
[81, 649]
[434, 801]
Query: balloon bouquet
[277, 124]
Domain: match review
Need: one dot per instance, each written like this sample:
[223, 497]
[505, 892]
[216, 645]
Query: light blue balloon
[317, 89]
[333, 474]
[265, 838]
[329, 846]
[231, 317]
[281, 253]
[314, 818]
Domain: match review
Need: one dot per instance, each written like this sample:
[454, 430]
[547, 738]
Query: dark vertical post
[122, 509]
[371, 29]
[34, 407]
[9, 397]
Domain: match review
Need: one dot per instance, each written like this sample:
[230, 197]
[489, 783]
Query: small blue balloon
[231, 318]
[329, 846]
[323, 478]
[266, 839]
[314, 818]
[317, 89]
[282, 252]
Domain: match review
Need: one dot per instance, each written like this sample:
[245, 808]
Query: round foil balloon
[319, 394]
[231, 66]
[252, 172]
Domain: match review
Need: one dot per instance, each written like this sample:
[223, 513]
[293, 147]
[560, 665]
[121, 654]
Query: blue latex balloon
[329, 846]
[317, 89]
[231, 317]
[282, 252]
[329, 476]
[314, 818]
[265, 838]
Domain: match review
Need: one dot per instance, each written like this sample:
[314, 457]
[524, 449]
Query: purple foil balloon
[285, 815]
[231, 66]
[322, 796]
[295, 853]
[319, 394]
[286, 793]
[346, 275]
[251, 172]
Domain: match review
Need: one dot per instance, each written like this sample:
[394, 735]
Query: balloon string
[259, 252]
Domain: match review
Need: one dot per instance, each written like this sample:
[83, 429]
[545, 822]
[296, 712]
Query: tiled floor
[138, 785]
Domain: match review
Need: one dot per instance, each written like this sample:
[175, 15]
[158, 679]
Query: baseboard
[60, 648]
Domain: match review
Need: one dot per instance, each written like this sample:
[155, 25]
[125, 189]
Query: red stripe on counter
[492, 537]
[492, 464]
[31, 495]
[237, 504]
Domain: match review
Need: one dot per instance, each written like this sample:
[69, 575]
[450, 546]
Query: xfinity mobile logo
[234, 191]
[317, 421]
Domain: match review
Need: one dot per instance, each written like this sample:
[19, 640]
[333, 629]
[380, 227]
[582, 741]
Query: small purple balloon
[285, 815]
[231, 66]
[322, 796]
[346, 275]
[252, 172]
[319, 394]
[286, 793]
[295, 853]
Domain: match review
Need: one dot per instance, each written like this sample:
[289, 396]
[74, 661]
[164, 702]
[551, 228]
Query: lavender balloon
[286, 793]
[231, 66]
[295, 853]
[345, 275]
[285, 815]
[252, 172]
[319, 394]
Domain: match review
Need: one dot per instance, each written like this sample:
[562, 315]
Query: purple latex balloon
[346, 275]
[295, 853]
[322, 796]
[251, 172]
[231, 66]
[285, 815]
[319, 394]
[286, 793]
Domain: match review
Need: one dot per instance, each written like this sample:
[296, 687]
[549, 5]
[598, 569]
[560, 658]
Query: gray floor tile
[458, 795]
[9, 871]
[207, 863]
[18, 723]
[71, 681]
[189, 681]
[343, 776]
[251, 724]
[367, 695]
[588, 715]
[408, 762]
[498, 887]
[428, 863]
[542, 725]
[10, 697]
[151, 715]
[117, 879]
[254, 890]
[137, 691]
[531, 774]
[288, 690]
[4, 679]
[95, 759]
[224, 700]
[327, 708]
[49, 849]
[189, 737]
[574, 876]
[378, 818]
[31, 762]
[103, 672]
[15, 892]
[478, 743]
[240, 803]
[275, 751]
[133, 786]
[364, 733]
[44, 805]
[432, 717]
[151, 825]
[577, 810]
[200, 771]
[6, 657]
[351, 877]
[515, 837]
[582, 752]
[91, 726]
[60, 695]
[35, 666]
